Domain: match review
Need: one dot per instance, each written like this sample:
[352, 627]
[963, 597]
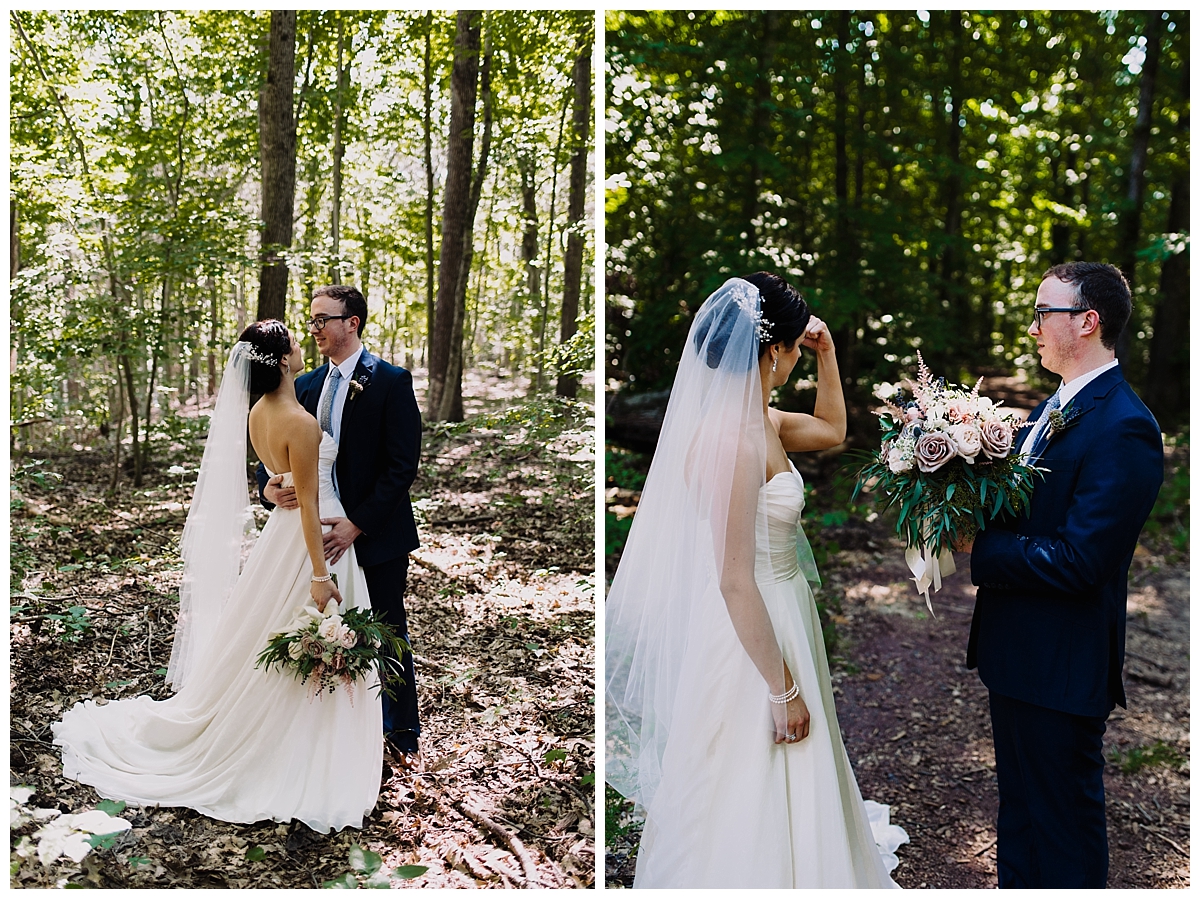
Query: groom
[1048, 634]
[369, 408]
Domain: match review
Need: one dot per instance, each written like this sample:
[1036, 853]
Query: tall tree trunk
[844, 263]
[339, 151]
[545, 314]
[950, 289]
[429, 267]
[1130, 224]
[452, 405]
[14, 241]
[527, 166]
[455, 201]
[1167, 381]
[760, 140]
[277, 152]
[573, 260]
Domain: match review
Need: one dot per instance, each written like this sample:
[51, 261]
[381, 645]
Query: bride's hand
[322, 592]
[791, 718]
[816, 336]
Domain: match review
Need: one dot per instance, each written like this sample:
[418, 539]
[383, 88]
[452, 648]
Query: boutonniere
[1061, 419]
[358, 385]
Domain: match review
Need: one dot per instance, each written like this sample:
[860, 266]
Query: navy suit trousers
[1050, 767]
[386, 583]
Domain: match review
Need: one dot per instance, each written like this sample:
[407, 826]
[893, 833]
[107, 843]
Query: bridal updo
[782, 316]
[784, 313]
[270, 344]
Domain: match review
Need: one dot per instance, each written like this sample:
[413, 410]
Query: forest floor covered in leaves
[501, 613]
[915, 721]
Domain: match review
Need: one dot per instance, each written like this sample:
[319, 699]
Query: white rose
[897, 461]
[295, 650]
[967, 440]
[347, 638]
[328, 629]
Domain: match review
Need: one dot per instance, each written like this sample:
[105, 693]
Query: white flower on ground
[68, 835]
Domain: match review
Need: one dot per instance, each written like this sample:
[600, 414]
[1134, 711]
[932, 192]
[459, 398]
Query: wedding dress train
[734, 809]
[237, 743]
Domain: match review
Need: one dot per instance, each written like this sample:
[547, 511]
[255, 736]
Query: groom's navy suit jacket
[1049, 623]
[378, 453]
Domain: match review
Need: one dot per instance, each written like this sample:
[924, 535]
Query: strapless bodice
[780, 502]
[327, 500]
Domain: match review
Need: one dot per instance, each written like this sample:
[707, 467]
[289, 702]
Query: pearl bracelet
[785, 698]
[322, 580]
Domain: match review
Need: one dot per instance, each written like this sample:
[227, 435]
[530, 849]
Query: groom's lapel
[364, 372]
[1085, 401]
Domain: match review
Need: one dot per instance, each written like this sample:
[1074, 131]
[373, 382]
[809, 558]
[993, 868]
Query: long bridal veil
[691, 550]
[217, 522]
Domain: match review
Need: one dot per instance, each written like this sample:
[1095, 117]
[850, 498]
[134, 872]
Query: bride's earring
[775, 363]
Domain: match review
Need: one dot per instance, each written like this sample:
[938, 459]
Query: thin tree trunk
[1130, 227]
[541, 369]
[529, 252]
[951, 267]
[573, 259]
[429, 267]
[277, 153]
[1167, 381]
[452, 405]
[760, 139]
[339, 151]
[455, 202]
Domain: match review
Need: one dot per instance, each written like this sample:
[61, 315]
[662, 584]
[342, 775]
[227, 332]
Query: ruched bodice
[780, 502]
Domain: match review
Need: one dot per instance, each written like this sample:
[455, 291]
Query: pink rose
[997, 438]
[347, 638]
[934, 449]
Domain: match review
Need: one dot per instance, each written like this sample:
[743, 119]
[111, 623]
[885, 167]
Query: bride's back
[274, 427]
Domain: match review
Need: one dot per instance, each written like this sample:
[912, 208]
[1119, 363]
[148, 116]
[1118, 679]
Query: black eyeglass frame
[318, 324]
[1040, 312]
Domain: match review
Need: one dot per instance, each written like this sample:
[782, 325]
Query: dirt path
[917, 729]
[501, 611]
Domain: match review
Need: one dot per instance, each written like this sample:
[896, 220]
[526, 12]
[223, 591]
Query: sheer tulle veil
[692, 541]
[217, 522]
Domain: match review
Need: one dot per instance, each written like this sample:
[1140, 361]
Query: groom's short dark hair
[350, 298]
[1101, 287]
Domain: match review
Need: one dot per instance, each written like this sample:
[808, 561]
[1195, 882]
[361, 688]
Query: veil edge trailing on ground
[217, 522]
[692, 542]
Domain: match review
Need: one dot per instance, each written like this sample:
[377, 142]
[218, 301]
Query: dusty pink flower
[997, 438]
[312, 645]
[934, 449]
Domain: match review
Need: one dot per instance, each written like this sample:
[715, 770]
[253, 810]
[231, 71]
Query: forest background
[913, 174]
[166, 191]
[176, 175]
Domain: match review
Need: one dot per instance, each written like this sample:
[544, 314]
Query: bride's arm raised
[826, 427]
[303, 449]
[747, 611]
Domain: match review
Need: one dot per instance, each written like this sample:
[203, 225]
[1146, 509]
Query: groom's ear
[1091, 323]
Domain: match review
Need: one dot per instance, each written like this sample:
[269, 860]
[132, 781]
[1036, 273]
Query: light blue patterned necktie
[1038, 443]
[326, 416]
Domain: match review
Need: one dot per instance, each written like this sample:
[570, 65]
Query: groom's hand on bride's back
[284, 497]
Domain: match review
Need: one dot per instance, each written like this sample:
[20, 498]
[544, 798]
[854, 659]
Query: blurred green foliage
[913, 173]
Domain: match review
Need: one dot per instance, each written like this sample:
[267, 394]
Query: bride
[238, 743]
[721, 721]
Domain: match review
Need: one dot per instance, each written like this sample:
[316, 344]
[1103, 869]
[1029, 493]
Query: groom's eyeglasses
[1040, 312]
[318, 323]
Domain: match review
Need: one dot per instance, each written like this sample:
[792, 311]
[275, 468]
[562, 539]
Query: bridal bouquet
[326, 648]
[946, 463]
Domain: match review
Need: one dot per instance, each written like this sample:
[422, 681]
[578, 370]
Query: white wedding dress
[237, 743]
[733, 808]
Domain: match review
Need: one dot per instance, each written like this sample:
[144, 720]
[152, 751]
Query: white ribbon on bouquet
[928, 570]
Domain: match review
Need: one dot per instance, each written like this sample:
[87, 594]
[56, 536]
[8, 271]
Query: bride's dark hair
[271, 342]
[784, 316]
[784, 313]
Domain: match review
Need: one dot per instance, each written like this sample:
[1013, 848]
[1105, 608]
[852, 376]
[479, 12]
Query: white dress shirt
[343, 388]
[1067, 391]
